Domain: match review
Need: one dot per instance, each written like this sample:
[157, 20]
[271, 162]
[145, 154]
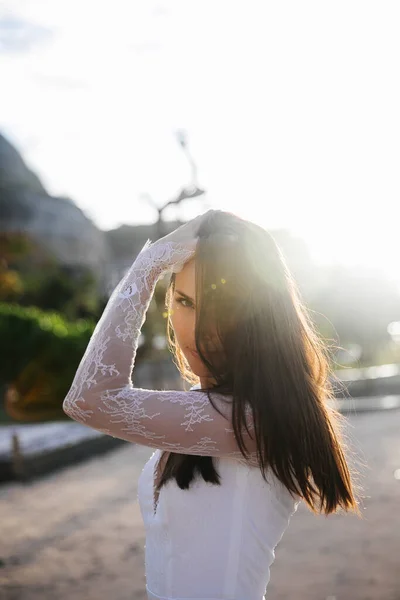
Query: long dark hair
[272, 359]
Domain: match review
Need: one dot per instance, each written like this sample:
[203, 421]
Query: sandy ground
[78, 534]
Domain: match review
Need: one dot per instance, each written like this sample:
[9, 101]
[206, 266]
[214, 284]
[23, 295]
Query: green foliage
[11, 285]
[61, 289]
[31, 276]
[40, 353]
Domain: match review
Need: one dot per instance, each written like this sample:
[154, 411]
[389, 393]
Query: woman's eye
[183, 300]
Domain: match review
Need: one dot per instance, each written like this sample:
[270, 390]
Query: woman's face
[183, 318]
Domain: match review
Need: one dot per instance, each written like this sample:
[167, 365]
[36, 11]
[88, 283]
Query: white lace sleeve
[103, 396]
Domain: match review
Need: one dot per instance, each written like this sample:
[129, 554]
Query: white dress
[212, 541]
[208, 542]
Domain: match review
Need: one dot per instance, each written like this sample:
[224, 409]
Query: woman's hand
[186, 233]
[185, 236]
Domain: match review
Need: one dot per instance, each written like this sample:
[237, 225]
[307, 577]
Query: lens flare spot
[223, 280]
[214, 287]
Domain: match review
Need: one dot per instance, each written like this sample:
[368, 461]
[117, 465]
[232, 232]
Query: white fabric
[212, 541]
[208, 542]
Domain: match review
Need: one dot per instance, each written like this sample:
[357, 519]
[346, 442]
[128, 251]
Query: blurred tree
[40, 351]
[11, 286]
[31, 276]
[13, 248]
[67, 290]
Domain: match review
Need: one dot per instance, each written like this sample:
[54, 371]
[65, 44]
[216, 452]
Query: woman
[253, 436]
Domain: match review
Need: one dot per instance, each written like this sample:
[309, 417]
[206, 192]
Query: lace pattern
[103, 396]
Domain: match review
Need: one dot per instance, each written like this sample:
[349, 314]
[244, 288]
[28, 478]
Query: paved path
[78, 534]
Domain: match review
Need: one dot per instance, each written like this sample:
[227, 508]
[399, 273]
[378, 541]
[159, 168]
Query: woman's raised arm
[103, 396]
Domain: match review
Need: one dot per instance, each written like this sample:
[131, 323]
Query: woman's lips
[193, 352]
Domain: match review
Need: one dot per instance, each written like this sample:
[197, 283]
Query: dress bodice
[212, 541]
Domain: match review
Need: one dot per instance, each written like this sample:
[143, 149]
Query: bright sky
[291, 109]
